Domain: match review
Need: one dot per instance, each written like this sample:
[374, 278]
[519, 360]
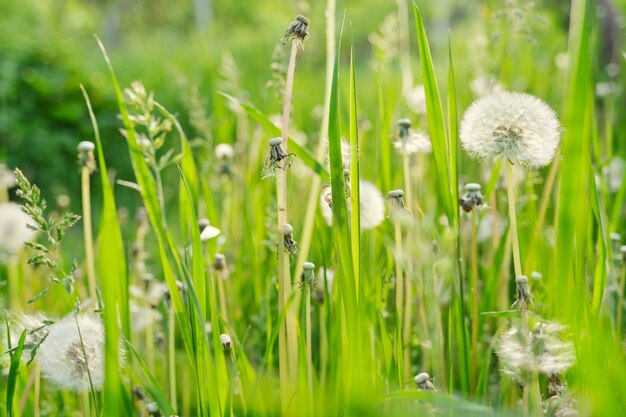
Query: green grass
[566, 213]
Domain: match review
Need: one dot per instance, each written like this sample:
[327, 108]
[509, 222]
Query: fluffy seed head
[224, 151]
[371, 204]
[86, 146]
[67, 362]
[14, 230]
[512, 126]
[225, 340]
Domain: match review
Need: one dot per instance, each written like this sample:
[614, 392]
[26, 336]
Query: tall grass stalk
[399, 299]
[410, 269]
[85, 174]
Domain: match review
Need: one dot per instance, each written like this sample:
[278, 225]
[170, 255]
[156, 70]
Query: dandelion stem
[309, 345]
[288, 349]
[620, 305]
[474, 260]
[406, 334]
[37, 391]
[517, 263]
[88, 234]
[399, 299]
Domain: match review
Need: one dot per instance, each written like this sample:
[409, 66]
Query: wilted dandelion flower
[74, 360]
[516, 127]
[14, 230]
[372, 205]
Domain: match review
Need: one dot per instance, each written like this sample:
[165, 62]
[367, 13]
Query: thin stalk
[517, 263]
[88, 234]
[309, 345]
[316, 183]
[399, 299]
[620, 306]
[86, 406]
[474, 261]
[171, 351]
[288, 348]
[408, 310]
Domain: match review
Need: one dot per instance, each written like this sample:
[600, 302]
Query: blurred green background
[188, 50]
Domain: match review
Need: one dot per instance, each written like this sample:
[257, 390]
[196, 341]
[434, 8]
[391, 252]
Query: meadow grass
[424, 314]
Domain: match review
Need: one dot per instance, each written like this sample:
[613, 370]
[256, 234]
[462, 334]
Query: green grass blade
[14, 370]
[111, 267]
[355, 221]
[436, 127]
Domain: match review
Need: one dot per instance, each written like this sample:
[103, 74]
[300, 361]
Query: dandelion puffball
[67, 362]
[372, 205]
[14, 229]
[512, 126]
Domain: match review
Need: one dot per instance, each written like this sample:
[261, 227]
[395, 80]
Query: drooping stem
[474, 261]
[88, 234]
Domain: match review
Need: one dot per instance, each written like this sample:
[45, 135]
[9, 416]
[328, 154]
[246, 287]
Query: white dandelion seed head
[330, 278]
[511, 126]
[67, 362]
[7, 178]
[485, 84]
[416, 99]
[142, 317]
[36, 331]
[417, 142]
[515, 354]
[14, 230]
[224, 151]
[372, 205]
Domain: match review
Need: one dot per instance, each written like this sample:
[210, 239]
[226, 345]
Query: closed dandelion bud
[291, 247]
[403, 128]
[516, 127]
[72, 355]
[473, 198]
[85, 155]
[226, 342]
[277, 158]
[424, 382]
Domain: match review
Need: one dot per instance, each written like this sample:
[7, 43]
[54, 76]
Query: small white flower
[372, 205]
[69, 362]
[14, 230]
[224, 151]
[512, 126]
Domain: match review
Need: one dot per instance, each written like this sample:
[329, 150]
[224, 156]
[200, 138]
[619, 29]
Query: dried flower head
[15, 229]
[297, 30]
[516, 127]
[371, 204]
[524, 298]
[72, 356]
[308, 276]
[291, 247]
[86, 157]
[397, 209]
[473, 198]
[277, 158]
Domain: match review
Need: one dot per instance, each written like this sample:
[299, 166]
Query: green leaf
[14, 370]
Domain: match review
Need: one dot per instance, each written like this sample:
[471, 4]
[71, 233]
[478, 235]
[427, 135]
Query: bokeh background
[186, 51]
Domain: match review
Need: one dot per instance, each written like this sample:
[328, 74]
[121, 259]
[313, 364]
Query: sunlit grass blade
[436, 127]
[302, 153]
[355, 221]
[16, 357]
[111, 267]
